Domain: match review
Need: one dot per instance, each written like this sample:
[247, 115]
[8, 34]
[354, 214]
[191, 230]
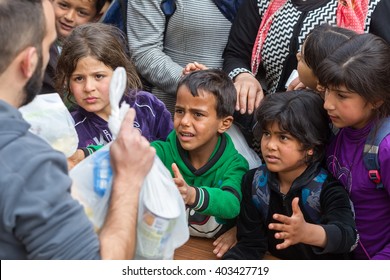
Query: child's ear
[310, 152]
[377, 104]
[226, 123]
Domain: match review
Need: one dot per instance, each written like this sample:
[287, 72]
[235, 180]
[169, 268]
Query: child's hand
[291, 229]
[187, 192]
[225, 242]
[193, 66]
[75, 158]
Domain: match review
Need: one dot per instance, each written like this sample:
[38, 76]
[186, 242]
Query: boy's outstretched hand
[295, 229]
[187, 192]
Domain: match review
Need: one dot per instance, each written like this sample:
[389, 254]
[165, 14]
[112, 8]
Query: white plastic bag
[243, 148]
[50, 119]
[162, 223]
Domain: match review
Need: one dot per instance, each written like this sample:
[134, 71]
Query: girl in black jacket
[291, 206]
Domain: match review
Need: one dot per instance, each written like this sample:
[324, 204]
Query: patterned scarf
[351, 14]
[228, 7]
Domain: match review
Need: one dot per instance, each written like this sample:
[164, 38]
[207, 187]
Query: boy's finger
[176, 171]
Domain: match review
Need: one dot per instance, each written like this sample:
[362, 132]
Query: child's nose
[271, 144]
[185, 121]
[328, 101]
[70, 14]
[89, 85]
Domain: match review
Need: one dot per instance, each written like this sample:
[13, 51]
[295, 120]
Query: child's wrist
[192, 194]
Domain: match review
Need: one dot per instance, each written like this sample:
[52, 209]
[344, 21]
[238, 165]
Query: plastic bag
[162, 223]
[92, 181]
[243, 148]
[50, 119]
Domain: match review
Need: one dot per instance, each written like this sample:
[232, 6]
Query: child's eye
[62, 5]
[341, 96]
[198, 115]
[78, 79]
[99, 76]
[284, 137]
[178, 111]
[266, 134]
[83, 13]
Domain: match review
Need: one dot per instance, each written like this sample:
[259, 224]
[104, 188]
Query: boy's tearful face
[196, 123]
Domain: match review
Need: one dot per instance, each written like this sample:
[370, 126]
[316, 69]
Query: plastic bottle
[102, 173]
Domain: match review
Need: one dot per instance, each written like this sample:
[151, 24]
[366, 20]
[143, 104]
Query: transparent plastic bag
[92, 181]
[243, 148]
[162, 223]
[50, 119]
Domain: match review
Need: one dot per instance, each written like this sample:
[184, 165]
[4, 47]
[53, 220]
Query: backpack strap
[261, 191]
[371, 150]
[310, 194]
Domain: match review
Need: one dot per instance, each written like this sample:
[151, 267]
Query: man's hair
[105, 43]
[215, 82]
[22, 25]
[362, 65]
[299, 113]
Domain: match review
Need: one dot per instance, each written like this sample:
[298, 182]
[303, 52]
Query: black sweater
[255, 239]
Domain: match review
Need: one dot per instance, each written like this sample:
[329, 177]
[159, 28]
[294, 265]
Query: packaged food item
[50, 119]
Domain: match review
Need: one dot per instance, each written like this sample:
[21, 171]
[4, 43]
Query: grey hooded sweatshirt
[38, 217]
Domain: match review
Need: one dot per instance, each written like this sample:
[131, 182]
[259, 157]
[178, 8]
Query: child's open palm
[291, 229]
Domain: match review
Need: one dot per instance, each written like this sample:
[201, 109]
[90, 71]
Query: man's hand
[131, 154]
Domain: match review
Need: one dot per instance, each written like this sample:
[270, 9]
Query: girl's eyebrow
[342, 91]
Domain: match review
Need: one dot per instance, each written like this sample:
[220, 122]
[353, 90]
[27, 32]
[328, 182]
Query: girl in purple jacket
[88, 58]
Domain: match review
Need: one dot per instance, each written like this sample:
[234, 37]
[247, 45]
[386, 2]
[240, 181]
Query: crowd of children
[322, 191]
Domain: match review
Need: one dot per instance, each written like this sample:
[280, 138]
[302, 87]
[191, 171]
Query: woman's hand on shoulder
[193, 66]
[249, 93]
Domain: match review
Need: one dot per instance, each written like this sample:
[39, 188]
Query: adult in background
[165, 35]
[267, 34]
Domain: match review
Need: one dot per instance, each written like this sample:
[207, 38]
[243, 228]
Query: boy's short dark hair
[216, 82]
[301, 114]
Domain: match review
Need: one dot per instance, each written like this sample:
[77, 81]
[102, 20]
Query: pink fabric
[265, 24]
[351, 14]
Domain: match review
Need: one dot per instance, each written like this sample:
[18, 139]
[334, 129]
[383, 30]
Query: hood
[12, 124]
